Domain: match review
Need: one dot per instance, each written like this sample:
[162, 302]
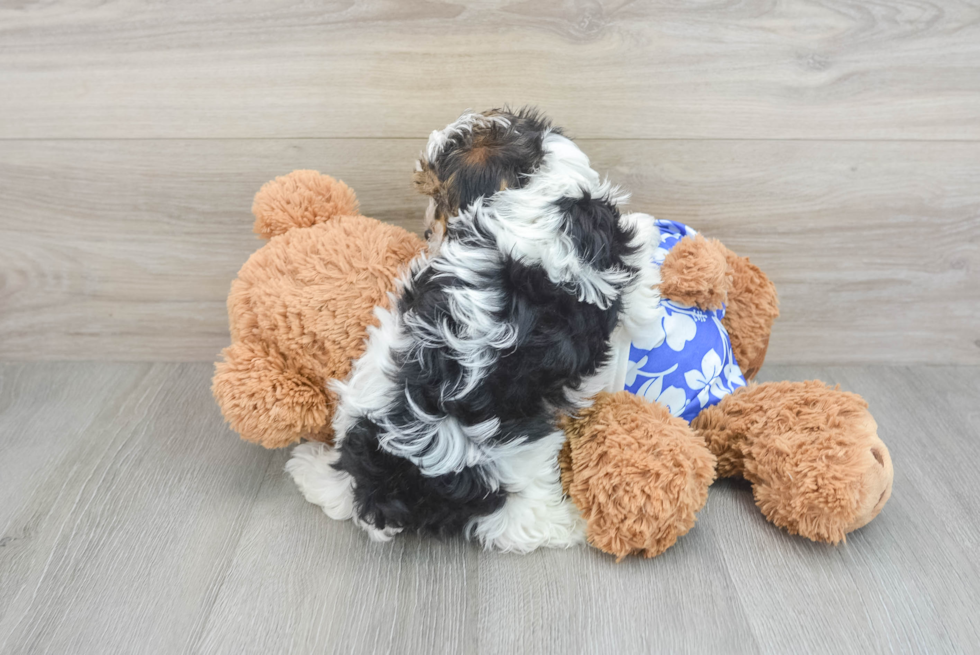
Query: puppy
[447, 422]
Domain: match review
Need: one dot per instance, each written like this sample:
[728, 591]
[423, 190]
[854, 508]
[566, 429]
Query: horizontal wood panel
[398, 68]
[125, 250]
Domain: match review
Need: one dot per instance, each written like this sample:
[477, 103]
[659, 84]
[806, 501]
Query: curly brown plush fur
[752, 308]
[637, 474]
[704, 273]
[301, 306]
[300, 199]
[695, 272]
[811, 452]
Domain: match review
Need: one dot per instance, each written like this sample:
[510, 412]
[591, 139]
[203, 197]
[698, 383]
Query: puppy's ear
[425, 180]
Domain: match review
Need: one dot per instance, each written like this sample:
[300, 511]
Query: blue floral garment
[690, 365]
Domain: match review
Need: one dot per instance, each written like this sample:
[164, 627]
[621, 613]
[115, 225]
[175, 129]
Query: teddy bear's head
[300, 309]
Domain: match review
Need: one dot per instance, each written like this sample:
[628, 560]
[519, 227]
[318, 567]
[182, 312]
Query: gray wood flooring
[133, 521]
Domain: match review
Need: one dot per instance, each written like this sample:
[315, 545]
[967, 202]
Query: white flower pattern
[708, 379]
[685, 361]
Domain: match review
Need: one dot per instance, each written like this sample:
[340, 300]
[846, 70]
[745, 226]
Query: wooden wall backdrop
[835, 142]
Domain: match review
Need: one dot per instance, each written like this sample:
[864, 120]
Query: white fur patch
[641, 300]
[311, 466]
[642, 310]
[368, 390]
[528, 225]
[536, 514]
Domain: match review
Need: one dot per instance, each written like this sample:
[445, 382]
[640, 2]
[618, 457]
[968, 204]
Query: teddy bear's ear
[300, 199]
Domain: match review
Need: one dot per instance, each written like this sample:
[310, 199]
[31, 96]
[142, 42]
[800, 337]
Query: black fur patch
[560, 342]
[593, 225]
[391, 491]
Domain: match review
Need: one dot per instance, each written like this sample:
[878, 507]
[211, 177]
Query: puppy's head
[477, 155]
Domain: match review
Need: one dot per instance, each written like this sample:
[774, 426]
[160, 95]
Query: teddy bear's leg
[637, 474]
[811, 452]
[266, 400]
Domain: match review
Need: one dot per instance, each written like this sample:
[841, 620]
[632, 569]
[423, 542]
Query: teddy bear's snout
[876, 484]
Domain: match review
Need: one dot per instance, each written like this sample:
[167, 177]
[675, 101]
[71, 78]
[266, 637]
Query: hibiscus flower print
[708, 380]
[677, 326]
[652, 388]
[673, 398]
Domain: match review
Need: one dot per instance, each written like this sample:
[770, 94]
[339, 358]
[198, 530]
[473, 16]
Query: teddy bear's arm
[749, 313]
[638, 475]
[695, 273]
[704, 273]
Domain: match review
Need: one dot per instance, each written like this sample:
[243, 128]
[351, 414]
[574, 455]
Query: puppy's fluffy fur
[447, 423]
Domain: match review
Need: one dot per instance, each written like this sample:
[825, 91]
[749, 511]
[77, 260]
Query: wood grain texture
[119, 509]
[125, 249]
[397, 68]
[132, 521]
[926, 537]
[580, 601]
[302, 583]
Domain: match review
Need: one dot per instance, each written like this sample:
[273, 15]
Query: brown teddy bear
[302, 304]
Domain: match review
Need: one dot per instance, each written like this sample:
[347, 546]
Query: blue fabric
[690, 365]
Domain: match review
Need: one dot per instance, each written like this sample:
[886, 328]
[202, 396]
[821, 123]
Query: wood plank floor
[133, 521]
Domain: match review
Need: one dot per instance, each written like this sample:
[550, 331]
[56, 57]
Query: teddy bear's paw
[267, 400]
[300, 199]
[695, 273]
[836, 483]
[638, 474]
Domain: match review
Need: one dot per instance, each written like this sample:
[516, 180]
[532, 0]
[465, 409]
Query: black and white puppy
[447, 422]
